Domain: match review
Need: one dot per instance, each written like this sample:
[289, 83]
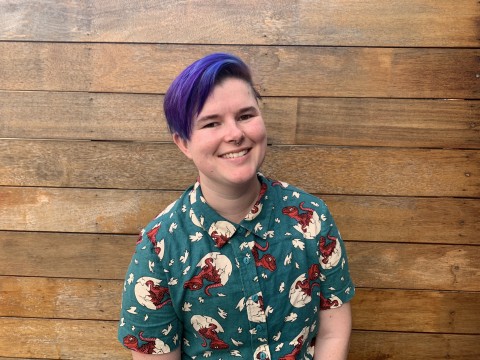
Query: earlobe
[182, 144]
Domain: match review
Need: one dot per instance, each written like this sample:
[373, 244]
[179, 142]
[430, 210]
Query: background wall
[372, 105]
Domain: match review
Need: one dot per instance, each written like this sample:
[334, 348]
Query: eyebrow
[216, 116]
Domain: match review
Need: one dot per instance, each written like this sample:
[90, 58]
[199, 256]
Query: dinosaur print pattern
[220, 290]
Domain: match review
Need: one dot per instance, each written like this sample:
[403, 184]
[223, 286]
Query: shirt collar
[257, 221]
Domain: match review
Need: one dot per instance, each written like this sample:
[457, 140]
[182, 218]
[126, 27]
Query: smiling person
[240, 265]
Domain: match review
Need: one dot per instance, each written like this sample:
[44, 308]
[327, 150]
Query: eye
[210, 125]
[246, 116]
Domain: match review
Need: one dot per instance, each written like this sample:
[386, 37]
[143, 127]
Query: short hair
[187, 94]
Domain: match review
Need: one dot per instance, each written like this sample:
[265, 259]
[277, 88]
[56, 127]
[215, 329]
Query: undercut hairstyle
[187, 94]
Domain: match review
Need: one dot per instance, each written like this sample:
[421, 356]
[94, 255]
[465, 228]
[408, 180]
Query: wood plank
[407, 311]
[379, 265]
[388, 122]
[63, 339]
[279, 71]
[373, 309]
[357, 171]
[80, 256]
[328, 121]
[410, 220]
[366, 345]
[414, 266]
[370, 218]
[331, 22]
[54, 298]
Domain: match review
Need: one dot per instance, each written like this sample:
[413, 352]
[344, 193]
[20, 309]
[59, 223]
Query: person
[240, 265]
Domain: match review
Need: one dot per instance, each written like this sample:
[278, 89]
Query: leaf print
[197, 237]
[167, 330]
[299, 244]
[222, 313]
[288, 259]
[187, 307]
[291, 317]
[184, 257]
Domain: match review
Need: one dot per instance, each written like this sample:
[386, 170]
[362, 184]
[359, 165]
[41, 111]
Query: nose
[233, 132]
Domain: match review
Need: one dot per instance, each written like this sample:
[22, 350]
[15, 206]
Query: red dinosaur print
[327, 249]
[131, 342]
[210, 273]
[211, 334]
[307, 285]
[157, 293]
[327, 303]
[152, 237]
[263, 189]
[267, 261]
[219, 239]
[296, 350]
[303, 219]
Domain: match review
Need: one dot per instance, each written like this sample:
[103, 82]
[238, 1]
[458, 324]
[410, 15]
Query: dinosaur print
[267, 261]
[157, 294]
[209, 273]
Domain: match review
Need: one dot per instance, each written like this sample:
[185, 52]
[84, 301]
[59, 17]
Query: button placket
[251, 287]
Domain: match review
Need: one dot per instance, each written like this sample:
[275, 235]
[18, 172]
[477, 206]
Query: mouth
[234, 155]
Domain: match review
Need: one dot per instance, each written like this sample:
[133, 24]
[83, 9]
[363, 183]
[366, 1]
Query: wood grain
[414, 266]
[373, 309]
[361, 218]
[278, 71]
[331, 22]
[62, 339]
[411, 346]
[331, 170]
[390, 265]
[328, 121]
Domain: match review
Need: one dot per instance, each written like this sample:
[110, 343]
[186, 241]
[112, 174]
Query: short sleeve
[148, 322]
[336, 284]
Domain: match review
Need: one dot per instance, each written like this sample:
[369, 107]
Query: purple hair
[188, 93]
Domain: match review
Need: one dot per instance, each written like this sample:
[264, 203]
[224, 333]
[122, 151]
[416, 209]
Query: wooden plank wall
[372, 105]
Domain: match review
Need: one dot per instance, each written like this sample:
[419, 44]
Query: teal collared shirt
[224, 290]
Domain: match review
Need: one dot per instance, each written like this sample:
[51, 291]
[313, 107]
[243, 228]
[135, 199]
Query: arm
[334, 333]
[174, 355]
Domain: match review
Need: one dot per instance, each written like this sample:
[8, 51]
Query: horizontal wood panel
[366, 345]
[331, 22]
[414, 266]
[65, 339]
[332, 121]
[416, 220]
[373, 309]
[278, 71]
[328, 170]
[61, 339]
[390, 265]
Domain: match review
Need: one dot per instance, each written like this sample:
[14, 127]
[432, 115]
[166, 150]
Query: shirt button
[246, 260]
[255, 297]
[259, 327]
[263, 355]
[240, 230]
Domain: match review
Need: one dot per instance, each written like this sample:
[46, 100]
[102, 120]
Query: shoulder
[286, 192]
[173, 213]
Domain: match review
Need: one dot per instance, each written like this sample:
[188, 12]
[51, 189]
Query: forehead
[231, 92]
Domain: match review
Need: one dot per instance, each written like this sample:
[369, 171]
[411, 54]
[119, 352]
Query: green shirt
[224, 290]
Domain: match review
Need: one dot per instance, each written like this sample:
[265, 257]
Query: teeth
[234, 155]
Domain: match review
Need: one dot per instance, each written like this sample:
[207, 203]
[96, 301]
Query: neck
[233, 203]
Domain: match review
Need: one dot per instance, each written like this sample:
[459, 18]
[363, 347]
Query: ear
[182, 145]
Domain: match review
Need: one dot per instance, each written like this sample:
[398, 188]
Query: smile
[235, 155]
